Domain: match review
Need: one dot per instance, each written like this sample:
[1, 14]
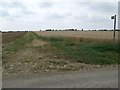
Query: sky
[57, 14]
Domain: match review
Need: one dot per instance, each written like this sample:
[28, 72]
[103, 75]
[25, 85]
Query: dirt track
[99, 78]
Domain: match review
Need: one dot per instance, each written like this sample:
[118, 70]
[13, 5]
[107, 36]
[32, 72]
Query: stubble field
[99, 36]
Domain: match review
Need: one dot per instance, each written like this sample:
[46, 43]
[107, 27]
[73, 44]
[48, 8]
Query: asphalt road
[97, 78]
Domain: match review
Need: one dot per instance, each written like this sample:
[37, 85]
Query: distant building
[119, 15]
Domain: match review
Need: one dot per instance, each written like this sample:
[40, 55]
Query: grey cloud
[59, 16]
[11, 5]
[97, 19]
[82, 3]
[105, 7]
[26, 11]
[17, 4]
[92, 19]
[56, 16]
[4, 13]
[46, 4]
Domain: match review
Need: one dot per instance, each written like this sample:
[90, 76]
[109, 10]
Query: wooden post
[114, 30]
[114, 17]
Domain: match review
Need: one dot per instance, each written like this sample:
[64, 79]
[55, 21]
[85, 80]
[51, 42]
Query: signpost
[119, 15]
[114, 17]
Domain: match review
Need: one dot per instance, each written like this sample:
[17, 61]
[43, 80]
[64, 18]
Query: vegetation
[18, 44]
[34, 53]
[85, 52]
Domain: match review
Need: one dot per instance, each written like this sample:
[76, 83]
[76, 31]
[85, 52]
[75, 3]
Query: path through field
[99, 78]
[36, 57]
[36, 65]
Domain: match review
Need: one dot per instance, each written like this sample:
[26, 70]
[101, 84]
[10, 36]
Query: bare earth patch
[37, 42]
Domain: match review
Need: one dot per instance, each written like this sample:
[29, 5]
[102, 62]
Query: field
[99, 36]
[37, 52]
[11, 36]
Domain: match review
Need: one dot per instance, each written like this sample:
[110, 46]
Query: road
[96, 78]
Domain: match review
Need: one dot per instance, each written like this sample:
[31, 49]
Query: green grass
[18, 44]
[85, 52]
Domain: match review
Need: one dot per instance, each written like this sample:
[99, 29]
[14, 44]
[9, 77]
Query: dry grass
[99, 36]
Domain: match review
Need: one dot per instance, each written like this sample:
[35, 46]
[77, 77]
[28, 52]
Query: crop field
[11, 36]
[99, 36]
[37, 52]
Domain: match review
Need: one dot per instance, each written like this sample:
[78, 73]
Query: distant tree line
[64, 30]
[79, 30]
[76, 30]
[61, 30]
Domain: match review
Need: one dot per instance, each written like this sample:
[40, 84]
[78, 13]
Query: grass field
[35, 53]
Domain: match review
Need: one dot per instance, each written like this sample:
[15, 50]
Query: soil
[38, 43]
[7, 37]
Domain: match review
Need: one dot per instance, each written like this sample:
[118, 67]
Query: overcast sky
[57, 14]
